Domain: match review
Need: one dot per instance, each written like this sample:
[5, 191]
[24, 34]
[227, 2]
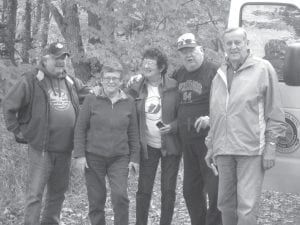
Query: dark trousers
[198, 181]
[169, 171]
[51, 170]
[116, 170]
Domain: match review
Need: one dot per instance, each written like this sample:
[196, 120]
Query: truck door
[271, 27]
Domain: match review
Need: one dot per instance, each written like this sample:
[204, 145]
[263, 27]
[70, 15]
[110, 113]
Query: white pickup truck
[273, 28]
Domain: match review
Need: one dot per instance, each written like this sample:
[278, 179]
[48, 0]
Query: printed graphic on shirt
[190, 90]
[153, 115]
[59, 102]
[153, 108]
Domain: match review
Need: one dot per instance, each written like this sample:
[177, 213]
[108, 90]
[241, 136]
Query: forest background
[97, 31]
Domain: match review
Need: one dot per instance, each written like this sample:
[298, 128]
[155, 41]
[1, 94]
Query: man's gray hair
[230, 30]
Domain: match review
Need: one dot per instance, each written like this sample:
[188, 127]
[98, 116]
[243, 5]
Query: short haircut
[230, 30]
[111, 68]
[161, 58]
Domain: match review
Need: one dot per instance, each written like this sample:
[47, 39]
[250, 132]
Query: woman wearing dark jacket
[156, 100]
[107, 144]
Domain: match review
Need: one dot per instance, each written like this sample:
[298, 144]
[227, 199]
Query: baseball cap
[56, 49]
[186, 40]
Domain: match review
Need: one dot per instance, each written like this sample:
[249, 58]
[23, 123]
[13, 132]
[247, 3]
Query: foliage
[9, 75]
[128, 27]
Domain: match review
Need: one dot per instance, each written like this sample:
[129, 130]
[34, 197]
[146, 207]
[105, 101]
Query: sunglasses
[186, 42]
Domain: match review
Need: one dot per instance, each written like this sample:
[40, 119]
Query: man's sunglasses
[186, 42]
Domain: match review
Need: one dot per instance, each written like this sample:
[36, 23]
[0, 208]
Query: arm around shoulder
[133, 135]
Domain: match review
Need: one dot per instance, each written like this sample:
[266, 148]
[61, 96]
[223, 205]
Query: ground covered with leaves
[275, 208]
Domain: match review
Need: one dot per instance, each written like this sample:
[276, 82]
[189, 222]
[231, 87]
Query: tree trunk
[26, 34]
[10, 15]
[45, 24]
[70, 29]
[4, 8]
[93, 21]
[38, 17]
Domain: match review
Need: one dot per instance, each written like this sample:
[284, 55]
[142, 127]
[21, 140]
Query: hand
[134, 78]
[269, 156]
[40, 75]
[80, 164]
[209, 159]
[201, 123]
[133, 168]
[20, 138]
[95, 90]
[165, 129]
[19, 135]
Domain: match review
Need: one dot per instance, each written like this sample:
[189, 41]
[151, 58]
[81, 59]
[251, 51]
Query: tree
[93, 21]
[38, 17]
[26, 33]
[45, 24]
[69, 26]
[9, 20]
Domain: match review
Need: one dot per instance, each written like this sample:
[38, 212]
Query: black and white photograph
[149, 112]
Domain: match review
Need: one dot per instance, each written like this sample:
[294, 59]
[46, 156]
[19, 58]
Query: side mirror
[291, 68]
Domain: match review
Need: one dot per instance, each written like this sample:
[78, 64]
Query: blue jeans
[116, 169]
[51, 170]
[198, 181]
[240, 184]
[169, 172]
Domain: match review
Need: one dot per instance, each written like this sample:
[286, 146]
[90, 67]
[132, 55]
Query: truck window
[270, 29]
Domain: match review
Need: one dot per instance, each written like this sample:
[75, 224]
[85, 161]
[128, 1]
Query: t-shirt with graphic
[61, 116]
[153, 115]
[194, 88]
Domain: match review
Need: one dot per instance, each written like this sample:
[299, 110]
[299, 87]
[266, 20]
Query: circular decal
[290, 142]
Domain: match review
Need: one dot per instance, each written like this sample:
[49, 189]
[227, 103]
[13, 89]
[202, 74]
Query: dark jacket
[107, 129]
[26, 107]
[169, 100]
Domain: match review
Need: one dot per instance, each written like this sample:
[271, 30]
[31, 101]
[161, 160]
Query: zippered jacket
[170, 102]
[244, 120]
[107, 129]
[26, 107]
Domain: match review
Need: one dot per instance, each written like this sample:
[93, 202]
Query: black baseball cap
[56, 49]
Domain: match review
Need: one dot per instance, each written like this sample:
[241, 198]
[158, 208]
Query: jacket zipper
[47, 118]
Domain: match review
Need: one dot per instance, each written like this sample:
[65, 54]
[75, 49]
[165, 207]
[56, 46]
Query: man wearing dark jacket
[41, 109]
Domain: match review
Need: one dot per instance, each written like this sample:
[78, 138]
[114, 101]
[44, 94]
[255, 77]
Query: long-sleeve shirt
[107, 129]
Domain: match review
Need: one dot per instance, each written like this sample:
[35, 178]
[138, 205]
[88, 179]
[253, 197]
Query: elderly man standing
[41, 109]
[245, 120]
[194, 81]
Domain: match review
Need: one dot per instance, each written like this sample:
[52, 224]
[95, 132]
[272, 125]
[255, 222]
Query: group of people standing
[223, 120]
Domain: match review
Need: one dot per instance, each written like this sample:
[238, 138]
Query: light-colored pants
[240, 184]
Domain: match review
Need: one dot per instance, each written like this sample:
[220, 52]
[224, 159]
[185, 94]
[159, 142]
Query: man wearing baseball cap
[41, 110]
[194, 79]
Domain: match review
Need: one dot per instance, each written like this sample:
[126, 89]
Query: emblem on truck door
[290, 142]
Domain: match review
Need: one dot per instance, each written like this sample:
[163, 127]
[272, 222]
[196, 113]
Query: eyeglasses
[149, 63]
[186, 42]
[108, 79]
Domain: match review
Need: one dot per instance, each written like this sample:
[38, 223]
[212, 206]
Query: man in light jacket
[245, 121]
